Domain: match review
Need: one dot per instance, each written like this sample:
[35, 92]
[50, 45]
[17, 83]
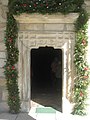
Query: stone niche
[55, 31]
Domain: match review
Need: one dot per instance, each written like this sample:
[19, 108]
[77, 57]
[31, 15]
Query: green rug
[45, 110]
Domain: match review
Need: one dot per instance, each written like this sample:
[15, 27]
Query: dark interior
[44, 84]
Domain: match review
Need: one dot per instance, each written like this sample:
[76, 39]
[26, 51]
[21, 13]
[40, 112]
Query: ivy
[81, 20]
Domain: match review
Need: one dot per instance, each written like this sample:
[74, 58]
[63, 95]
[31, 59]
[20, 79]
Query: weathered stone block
[2, 27]
[38, 18]
[2, 55]
[2, 73]
[4, 94]
[2, 63]
[4, 2]
[1, 36]
[46, 36]
[2, 46]
[70, 27]
[54, 27]
[87, 6]
[25, 106]
[31, 27]
[2, 82]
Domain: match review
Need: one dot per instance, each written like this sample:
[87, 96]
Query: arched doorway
[46, 77]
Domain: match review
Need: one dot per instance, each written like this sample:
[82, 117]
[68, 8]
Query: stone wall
[3, 9]
[87, 6]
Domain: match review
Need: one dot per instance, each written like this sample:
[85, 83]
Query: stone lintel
[39, 18]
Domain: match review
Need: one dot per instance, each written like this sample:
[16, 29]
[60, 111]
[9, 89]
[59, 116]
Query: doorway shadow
[48, 98]
[46, 80]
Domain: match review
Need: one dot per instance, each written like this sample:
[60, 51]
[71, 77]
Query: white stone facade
[34, 31]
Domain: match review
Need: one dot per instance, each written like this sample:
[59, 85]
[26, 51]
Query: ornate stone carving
[23, 36]
[50, 36]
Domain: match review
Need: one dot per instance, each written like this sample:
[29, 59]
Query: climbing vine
[45, 6]
[16, 7]
[11, 72]
[82, 68]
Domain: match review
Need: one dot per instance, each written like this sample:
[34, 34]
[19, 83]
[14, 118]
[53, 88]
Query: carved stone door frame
[39, 31]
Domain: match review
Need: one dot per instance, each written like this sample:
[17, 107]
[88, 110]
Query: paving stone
[24, 116]
[8, 116]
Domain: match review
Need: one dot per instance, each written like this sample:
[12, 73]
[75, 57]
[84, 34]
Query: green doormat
[45, 110]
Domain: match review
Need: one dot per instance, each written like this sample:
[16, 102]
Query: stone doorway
[46, 77]
[35, 31]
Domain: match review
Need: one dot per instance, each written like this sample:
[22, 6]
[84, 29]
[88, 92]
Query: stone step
[45, 110]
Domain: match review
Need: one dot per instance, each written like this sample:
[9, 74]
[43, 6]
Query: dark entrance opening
[46, 77]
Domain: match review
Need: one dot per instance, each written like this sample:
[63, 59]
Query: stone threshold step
[45, 110]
